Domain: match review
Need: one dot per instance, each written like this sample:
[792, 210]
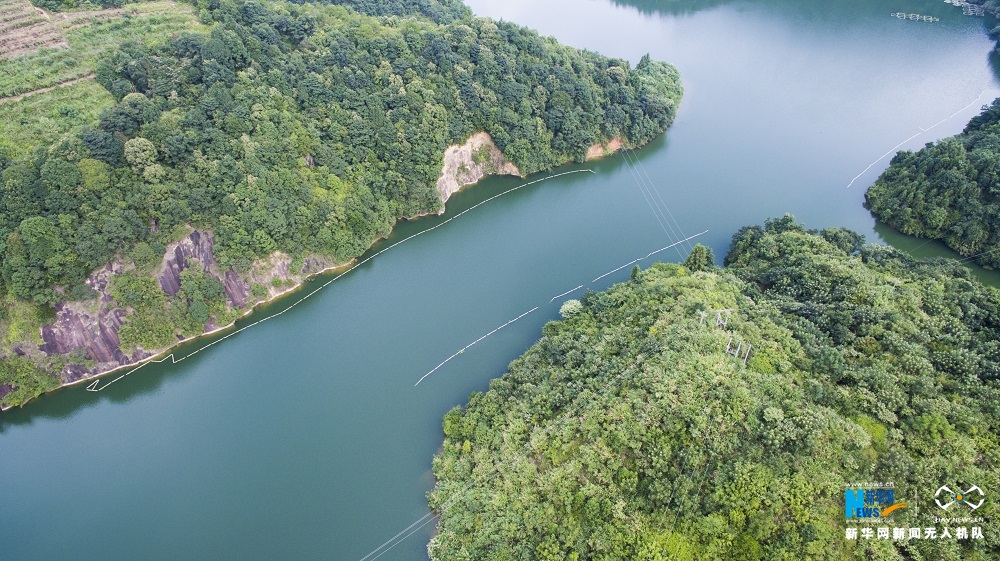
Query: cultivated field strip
[46, 75]
[25, 29]
[31, 61]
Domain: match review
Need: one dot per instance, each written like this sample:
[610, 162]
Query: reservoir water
[305, 436]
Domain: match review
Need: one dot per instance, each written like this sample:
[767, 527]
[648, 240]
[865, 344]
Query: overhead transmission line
[653, 188]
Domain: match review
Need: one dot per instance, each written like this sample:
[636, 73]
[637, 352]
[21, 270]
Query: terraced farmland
[47, 62]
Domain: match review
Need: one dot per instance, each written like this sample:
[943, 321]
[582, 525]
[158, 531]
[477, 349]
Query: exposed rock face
[236, 289]
[195, 249]
[313, 265]
[600, 149]
[98, 336]
[91, 328]
[279, 266]
[470, 162]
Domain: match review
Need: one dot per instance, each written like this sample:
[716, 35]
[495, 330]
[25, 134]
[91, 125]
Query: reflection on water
[921, 248]
[841, 9]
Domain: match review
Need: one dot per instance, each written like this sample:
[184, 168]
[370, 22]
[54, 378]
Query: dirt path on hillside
[21, 96]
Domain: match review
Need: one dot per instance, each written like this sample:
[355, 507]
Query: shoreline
[163, 354]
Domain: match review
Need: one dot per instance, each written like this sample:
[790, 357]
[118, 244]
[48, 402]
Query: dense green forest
[628, 431]
[305, 128]
[949, 190]
[991, 6]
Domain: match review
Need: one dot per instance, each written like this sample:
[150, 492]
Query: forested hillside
[307, 129]
[949, 190]
[628, 431]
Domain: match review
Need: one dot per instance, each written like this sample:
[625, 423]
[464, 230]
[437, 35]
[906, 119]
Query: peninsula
[281, 142]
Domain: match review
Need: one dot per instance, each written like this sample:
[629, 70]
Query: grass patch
[20, 322]
[40, 120]
[42, 117]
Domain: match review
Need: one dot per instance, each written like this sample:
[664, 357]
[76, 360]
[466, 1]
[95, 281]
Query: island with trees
[279, 140]
[696, 412]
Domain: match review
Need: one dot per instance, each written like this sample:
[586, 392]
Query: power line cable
[653, 188]
[649, 202]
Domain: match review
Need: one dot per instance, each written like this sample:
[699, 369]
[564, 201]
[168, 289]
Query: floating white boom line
[650, 254]
[93, 387]
[565, 293]
[463, 349]
[922, 131]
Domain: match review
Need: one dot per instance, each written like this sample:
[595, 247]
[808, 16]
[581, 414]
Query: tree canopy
[306, 128]
[629, 432]
[949, 190]
[303, 128]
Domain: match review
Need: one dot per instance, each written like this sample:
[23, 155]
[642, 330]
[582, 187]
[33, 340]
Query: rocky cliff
[86, 333]
[196, 250]
[467, 163]
[90, 329]
[602, 149]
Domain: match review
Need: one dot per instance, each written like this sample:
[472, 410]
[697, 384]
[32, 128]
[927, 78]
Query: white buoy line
[922, 131]
[463, 349]
[650, 254]
[565, 293]
[495, 470]
[661, 218]
[93, 387]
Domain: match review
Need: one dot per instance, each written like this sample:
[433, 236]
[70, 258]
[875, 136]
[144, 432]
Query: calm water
[305, 438]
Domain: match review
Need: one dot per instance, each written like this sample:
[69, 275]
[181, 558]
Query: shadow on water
[923, 248]
[994, 56]
[68, 401]
[614, 163]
